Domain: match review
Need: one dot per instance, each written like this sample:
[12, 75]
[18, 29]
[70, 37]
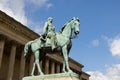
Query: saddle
[43, 38]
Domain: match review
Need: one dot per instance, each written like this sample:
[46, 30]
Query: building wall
[13, 65]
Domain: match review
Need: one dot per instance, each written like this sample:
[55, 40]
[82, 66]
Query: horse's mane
[61, 30]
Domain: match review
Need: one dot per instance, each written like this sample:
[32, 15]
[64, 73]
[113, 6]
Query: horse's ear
[74, 18]
[78, 19]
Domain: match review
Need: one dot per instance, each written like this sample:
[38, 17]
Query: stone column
[58, 67]
[22, 66]
[31, 64]
[11, 61]
[2, 43]
[46, 66]
[52, 67]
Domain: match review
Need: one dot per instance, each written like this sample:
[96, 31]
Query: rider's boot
[53, 47]
[53, 44]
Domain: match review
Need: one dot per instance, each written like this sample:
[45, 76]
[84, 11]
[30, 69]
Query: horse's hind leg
[33, 69]
[37, 62]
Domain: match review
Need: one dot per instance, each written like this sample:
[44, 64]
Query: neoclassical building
[13, 65]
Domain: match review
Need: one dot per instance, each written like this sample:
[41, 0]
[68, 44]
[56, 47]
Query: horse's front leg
[63, 69]
[65, 55]
[37, 62]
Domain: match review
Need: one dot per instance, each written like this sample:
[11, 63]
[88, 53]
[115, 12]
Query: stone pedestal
[59, 76]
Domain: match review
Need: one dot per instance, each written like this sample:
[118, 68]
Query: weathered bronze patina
[61, 39]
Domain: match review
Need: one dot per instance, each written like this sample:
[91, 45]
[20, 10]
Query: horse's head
[71, 26]
[76, 25]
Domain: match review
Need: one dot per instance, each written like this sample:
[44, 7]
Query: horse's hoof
[70, 71]
[42, 74]
[25, 55]
[32, 75]
[64, 71]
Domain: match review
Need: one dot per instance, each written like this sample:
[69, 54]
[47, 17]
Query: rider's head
[50, 19]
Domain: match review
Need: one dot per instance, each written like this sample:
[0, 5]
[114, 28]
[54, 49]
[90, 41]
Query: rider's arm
[45, 29]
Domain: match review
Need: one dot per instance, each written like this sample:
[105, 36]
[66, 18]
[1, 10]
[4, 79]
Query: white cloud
[16, 9]
[40, 3]
[112, 73]
[36, 26]
[97, 75]
[114, 45]
[49, 5]
[95, 43]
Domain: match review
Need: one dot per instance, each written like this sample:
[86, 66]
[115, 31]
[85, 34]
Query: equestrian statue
[54, 40]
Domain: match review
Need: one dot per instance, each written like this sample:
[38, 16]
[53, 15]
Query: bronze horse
[63, 39]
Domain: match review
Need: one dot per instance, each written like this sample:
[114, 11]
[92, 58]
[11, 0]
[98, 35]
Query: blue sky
[98, 44]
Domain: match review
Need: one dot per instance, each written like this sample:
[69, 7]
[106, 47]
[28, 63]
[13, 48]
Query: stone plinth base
[60, 76]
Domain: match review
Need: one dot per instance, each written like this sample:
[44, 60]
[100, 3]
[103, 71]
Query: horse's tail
[26, 47]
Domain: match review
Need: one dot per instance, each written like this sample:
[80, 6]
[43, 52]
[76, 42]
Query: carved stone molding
[17, 26]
